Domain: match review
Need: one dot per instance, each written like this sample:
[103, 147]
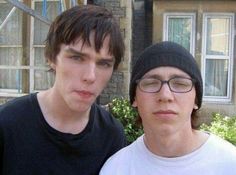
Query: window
[217, 56]
[40, 78]
[20, 74]
[180, 28]
[11, 61]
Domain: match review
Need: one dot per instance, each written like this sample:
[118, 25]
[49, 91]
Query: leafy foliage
[223, 126]
[127, 115]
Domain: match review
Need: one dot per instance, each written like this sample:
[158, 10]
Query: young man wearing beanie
[166, 88]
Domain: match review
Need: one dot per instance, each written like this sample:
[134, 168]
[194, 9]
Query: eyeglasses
[176, 84]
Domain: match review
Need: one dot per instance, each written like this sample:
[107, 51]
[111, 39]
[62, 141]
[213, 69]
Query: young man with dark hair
[61, 130]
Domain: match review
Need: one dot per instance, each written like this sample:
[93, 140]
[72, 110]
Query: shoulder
[105, 118]
[107, 129]
[16, 107]
[18, 102]
[222, 147]
[221, 143]
[121, 161]
[107, 124]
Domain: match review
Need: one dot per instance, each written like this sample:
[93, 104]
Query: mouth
[85, 94]
[165, 113]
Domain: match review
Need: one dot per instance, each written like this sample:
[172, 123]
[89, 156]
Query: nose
[165, 94]
[89, 75]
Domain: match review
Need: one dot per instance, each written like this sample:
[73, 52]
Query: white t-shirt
[214, 157]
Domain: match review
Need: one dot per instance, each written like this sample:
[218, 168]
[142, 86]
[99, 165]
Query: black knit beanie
[166, 54]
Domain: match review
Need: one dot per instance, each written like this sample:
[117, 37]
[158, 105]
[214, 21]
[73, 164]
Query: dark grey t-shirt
[28, 145]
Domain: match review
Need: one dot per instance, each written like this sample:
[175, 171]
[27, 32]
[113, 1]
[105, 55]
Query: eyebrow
[160, 76]
[73, 51]
[70, 50]
[152, 76]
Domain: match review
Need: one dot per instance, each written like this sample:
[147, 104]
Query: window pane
[10, 25]
[11, 80]
[5, 9]
[11, 56]
[179, 31]
[217, 42]
[39, 59]
[216, 77]
[40, 28]
[43, 79]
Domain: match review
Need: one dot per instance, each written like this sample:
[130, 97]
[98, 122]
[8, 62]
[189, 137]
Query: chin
[79, 106]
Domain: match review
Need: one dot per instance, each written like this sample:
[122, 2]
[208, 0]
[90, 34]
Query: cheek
[186, 102]
[67, 76]
[65, 73]
[143, 102]
[102, 80]
[104, 76]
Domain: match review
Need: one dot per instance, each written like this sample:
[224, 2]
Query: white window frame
[10, 92]
[33, 46]
[227, 98]
[192, 16]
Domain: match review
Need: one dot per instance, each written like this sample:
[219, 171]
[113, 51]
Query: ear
[134, 104]
[195, 107]
[52, 65]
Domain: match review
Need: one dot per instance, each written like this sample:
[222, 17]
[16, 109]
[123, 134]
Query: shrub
[223, 126]
[127, 115]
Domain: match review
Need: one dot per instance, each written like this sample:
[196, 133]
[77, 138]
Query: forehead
[82, 45]
[88, 50]
[166, 72]
[90, 41]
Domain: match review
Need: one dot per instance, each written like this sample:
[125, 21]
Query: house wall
[119, 84]
[198, 7]
[142, 27]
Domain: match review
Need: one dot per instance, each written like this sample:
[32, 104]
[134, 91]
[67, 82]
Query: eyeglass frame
[165, 82]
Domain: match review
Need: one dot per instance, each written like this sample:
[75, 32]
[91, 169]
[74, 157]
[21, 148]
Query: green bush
[223, 126]
[127, 115]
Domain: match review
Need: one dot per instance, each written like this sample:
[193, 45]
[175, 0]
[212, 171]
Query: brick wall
[119, 84]
[136, 25]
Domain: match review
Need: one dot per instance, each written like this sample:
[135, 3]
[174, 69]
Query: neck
[175, 145]
[59, 116]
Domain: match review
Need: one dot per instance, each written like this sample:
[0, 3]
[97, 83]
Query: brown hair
[79, 22]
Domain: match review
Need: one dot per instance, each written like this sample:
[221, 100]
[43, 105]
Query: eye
[105, 63]
[181, 82]
[150, 82]
[75, 57]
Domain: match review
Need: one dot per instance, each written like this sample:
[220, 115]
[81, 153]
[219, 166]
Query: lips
[85, 94]
[165, 113]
